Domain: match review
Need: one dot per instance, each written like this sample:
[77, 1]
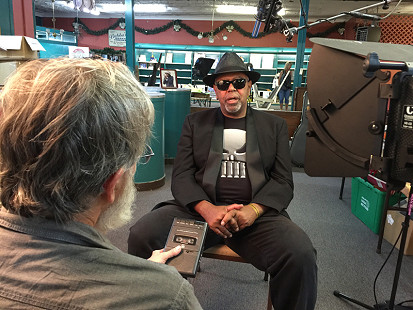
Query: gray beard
[231, 110]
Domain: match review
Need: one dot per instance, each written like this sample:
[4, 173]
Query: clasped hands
[225, 220]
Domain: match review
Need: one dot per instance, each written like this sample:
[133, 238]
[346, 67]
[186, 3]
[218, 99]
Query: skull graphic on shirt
[234, 156]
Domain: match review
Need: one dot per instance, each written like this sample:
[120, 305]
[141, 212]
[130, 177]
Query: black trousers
[273, 244]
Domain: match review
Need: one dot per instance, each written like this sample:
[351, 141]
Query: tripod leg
[383, 218]
[341, 188]
[340, 295]
[401, 251]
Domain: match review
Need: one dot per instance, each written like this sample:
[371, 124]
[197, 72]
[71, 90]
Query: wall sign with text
[117, 38]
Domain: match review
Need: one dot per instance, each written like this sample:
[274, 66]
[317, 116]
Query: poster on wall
[78, 52]
[117, 38]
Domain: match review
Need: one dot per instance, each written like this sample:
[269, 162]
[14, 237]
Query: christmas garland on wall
[178, 24]
[108, 51]
[99, 32]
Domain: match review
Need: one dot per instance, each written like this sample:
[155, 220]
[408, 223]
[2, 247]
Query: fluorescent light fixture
[237, 9]
[70, 4]
[112, 8]
[242, 9]
[149, 8]
[138, 8]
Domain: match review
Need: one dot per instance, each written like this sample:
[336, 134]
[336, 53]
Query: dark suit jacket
[199, 154]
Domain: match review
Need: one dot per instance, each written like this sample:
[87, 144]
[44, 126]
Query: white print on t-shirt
[234, 155]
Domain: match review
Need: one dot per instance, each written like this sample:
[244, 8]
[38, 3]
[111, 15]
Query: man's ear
[110, 184]
[249, 85]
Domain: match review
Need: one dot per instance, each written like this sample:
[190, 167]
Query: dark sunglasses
[147, 154]
[237, 83]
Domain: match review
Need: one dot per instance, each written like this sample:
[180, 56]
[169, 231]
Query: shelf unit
[148, 56]
[55, 42]
[56, 35]
[267, 61]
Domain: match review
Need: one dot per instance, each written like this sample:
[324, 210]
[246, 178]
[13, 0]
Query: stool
[223, 252]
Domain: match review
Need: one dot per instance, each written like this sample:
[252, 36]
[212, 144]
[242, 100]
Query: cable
[304, 14]
[384, 264]
[371, 17]
[392, 10]
[324, 20]
[362, 15]
[401, 303]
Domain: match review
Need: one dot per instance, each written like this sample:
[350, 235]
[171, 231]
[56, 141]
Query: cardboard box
[367, 203]
[19, 48]
[7, 68]
[392, 229]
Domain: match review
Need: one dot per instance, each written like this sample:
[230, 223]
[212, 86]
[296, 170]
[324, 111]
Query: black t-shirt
[233, 185]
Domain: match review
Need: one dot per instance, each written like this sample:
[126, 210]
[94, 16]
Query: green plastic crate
[367, 203]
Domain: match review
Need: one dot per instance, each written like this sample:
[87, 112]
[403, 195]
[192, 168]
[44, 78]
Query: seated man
[233, 170]
[71, 132]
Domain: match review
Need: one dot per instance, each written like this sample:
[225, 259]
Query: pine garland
[107, 51]
[195, 33]
[102, 31]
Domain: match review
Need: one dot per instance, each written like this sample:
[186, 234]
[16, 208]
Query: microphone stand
[390, 304]
[370, 65]
[291, 31]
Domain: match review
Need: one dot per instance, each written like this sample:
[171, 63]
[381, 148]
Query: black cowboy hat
[230, 62]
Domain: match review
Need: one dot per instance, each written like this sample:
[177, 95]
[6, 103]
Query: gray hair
[67, 125]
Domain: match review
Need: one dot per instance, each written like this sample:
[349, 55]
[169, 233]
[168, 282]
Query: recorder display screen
[185, 239]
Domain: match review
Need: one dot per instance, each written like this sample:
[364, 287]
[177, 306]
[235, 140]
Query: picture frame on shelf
[168, 78]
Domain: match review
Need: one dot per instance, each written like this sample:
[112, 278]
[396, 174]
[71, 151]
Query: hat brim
[210, 78]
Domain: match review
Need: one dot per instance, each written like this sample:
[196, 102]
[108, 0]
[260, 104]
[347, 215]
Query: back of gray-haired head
[66, 126]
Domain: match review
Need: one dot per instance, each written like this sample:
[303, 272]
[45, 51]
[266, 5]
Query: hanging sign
[117, 38]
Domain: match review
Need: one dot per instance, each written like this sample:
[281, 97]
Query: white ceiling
[203, 9]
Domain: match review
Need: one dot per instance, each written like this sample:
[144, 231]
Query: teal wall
[6, 17]
[54, 50]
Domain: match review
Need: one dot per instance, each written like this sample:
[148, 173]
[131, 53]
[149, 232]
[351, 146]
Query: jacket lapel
[254, 161]
[213, 164]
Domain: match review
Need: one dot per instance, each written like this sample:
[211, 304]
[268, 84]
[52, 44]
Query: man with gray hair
[71, 133]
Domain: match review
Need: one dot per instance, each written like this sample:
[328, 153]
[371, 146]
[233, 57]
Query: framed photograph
[169, 78]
